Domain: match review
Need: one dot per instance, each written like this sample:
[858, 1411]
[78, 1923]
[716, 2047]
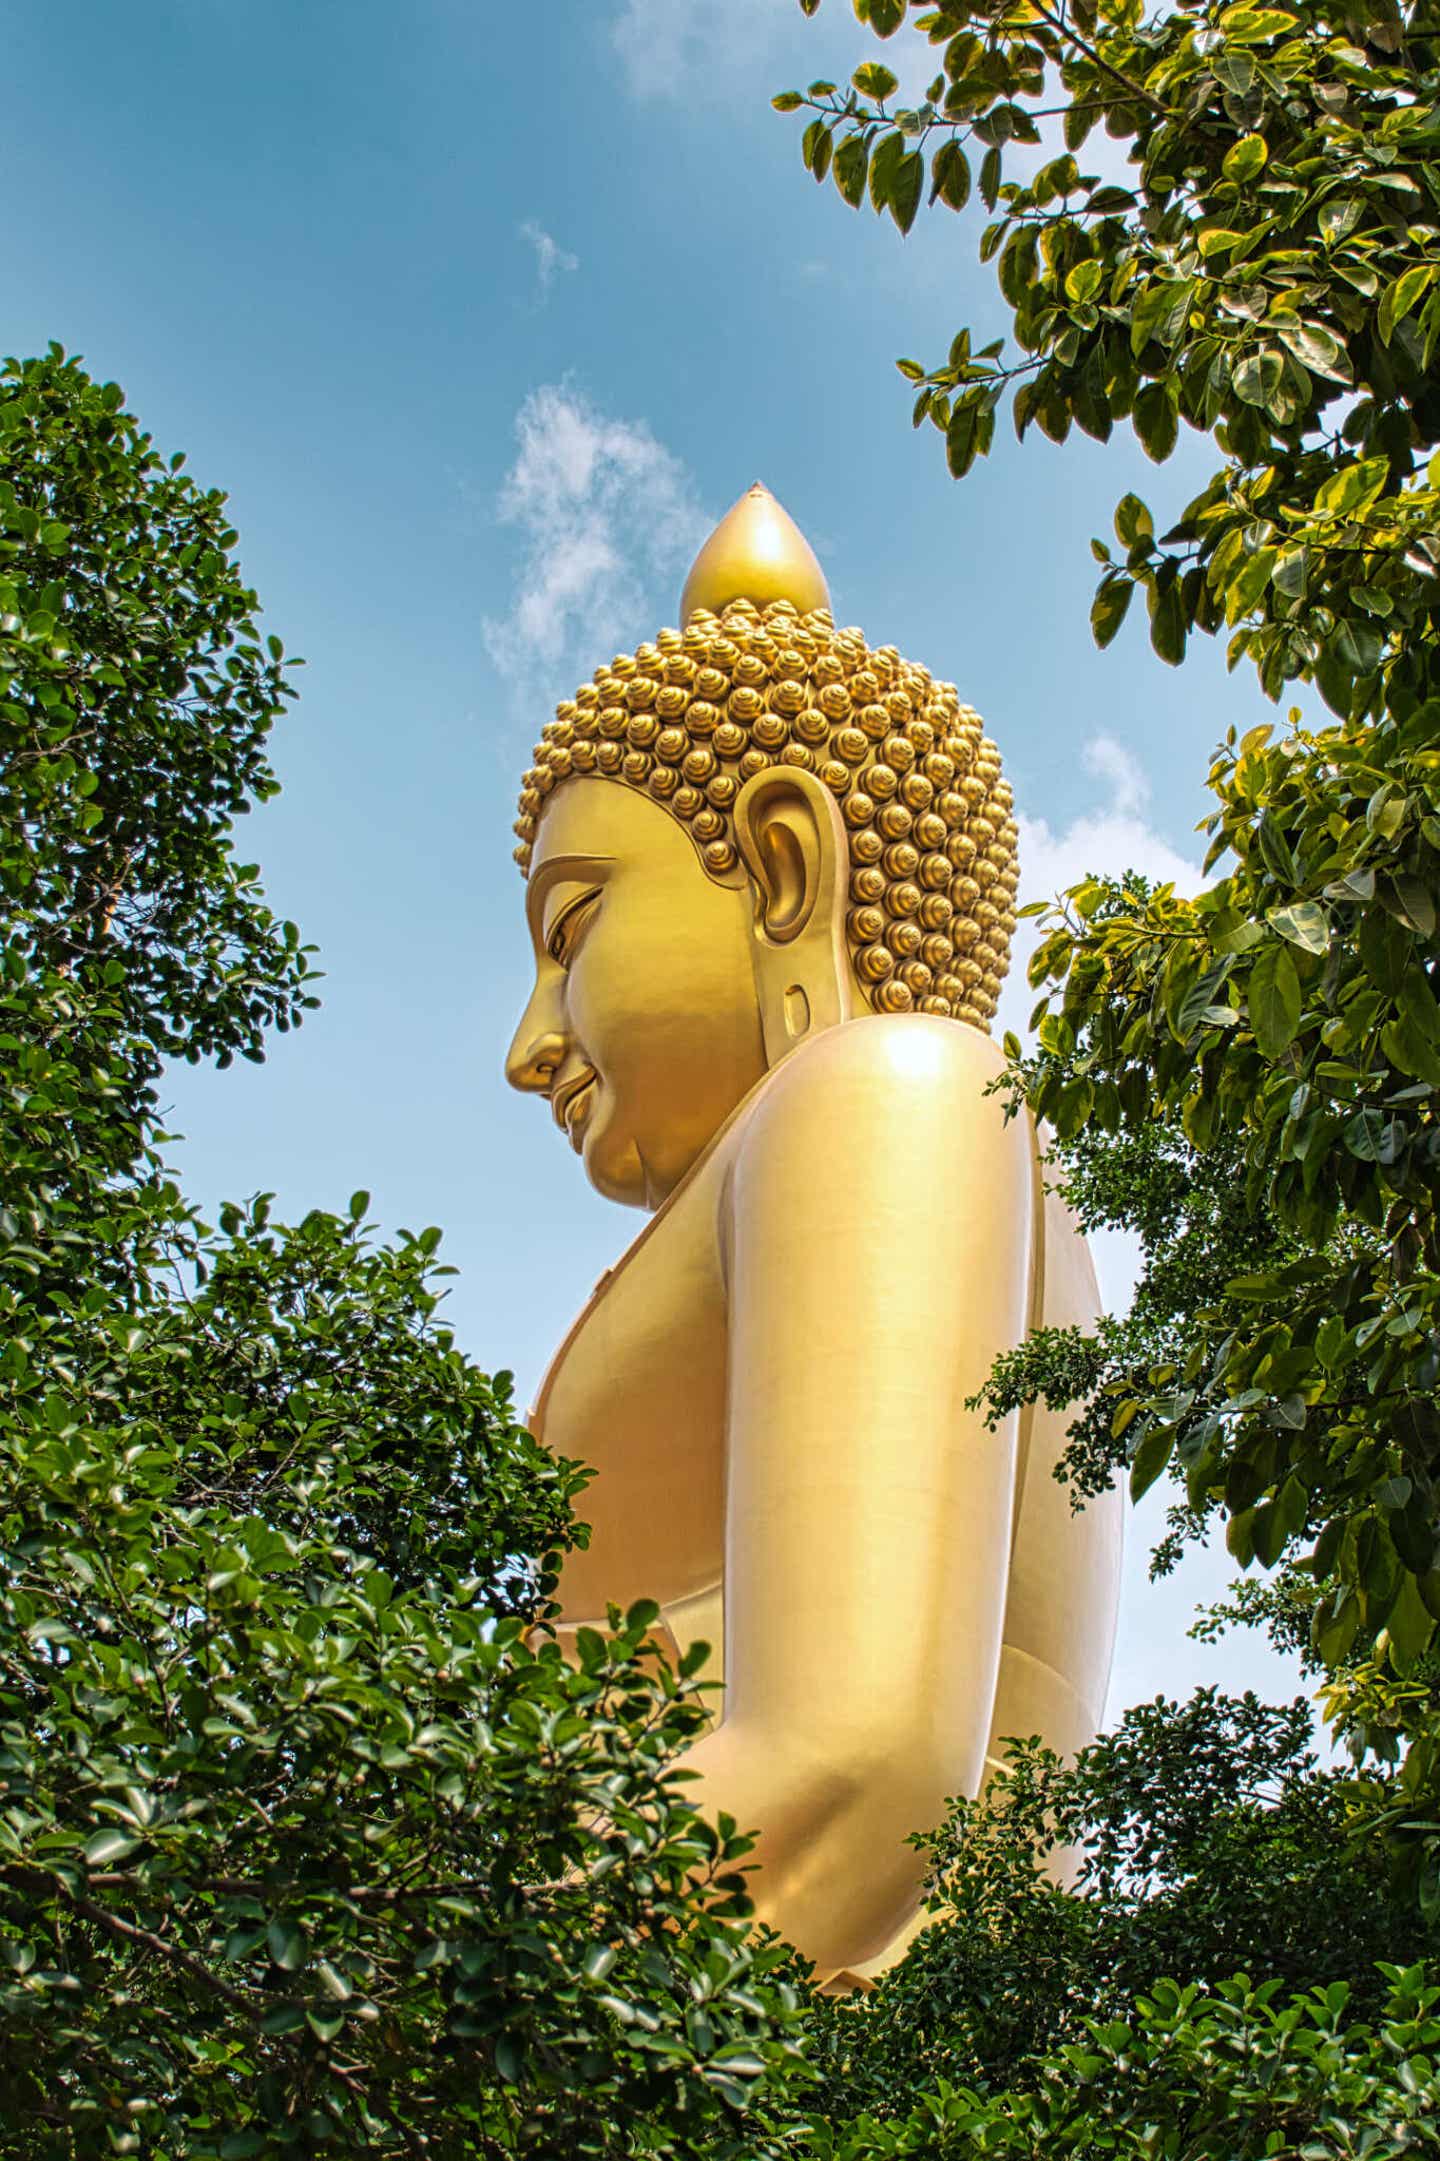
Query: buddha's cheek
[669, 1024]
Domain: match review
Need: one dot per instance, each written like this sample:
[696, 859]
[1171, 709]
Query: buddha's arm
[877, 1236]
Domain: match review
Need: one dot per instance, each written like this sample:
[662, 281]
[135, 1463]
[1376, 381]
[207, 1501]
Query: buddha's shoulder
[902, 1074]
[908, 1053]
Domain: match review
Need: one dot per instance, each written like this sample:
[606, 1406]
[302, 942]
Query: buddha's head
[749, 829]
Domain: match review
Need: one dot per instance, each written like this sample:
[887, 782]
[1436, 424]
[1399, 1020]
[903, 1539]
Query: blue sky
[483, 314]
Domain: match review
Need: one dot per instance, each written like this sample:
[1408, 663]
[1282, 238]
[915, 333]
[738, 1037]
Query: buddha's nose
[536, 1052]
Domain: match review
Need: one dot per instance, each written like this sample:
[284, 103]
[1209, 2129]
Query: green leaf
[1150, 1459]
[1305, 923]
[852, 166]
[1339, 216]
[816, 147]
[906, 188]
[1273, 1000]
[1240, 1536]
[1160, 312]
[1245, 158]
[1409, 1625]
[950, 176]
[1258, 377]
[1417, 1003]
[104, 1848]
[1353, 488]
[1109, 608]
[1400, 297]
[287, 1943]
[889, 154]
[1167, 622]
[1384, 946]
[1275, 851]
[1156, 421]
[1404, 1045]
[1411, 899]
[1132, 521]
[1248, 582]
[1317, 348]
[1258, 26]
[874, 81]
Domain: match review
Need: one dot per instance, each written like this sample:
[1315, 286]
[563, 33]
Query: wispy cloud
[669, 47]
[608, 520]
[661, 43]
[550, 257]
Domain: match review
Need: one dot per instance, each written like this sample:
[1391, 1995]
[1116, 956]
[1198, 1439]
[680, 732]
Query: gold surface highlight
[757, 552]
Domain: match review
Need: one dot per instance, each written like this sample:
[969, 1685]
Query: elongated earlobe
[792, 843]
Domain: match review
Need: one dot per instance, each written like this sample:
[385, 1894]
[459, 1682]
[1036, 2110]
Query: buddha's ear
[792, 841]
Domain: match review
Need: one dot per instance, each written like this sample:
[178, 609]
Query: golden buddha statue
[771, 874]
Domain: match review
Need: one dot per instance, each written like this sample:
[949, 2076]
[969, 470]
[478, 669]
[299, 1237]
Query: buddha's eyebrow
[552, 871]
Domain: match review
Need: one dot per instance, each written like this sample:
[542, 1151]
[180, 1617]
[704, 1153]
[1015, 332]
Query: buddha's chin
[613, 1164]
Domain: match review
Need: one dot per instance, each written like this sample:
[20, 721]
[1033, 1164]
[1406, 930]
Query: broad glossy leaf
[1273, 1000]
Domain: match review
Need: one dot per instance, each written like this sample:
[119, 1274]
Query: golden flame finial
[757, 552]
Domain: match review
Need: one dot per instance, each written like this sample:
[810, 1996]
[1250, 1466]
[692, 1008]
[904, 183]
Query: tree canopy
[304, 1839]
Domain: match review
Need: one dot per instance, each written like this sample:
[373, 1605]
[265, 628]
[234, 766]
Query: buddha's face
[643, 1029]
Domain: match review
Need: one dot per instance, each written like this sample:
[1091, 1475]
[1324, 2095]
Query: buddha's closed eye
[569, 927]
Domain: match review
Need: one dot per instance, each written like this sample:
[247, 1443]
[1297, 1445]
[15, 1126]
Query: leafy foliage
[135, 702]
[1202, 1842]
[1267, 274]
[1233, 2074]
[308, 1834]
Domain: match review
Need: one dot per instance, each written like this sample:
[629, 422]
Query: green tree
[1234, 2074]
[308, 1835]
[1203, 1842]
[1265, 275]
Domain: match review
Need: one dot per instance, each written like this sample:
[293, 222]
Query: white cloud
[606, 516]
[550, 257]
[1108, 840]
[674, 48]
[664, 44]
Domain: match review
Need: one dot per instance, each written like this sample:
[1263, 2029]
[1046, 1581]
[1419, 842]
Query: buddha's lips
[564, 1099]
